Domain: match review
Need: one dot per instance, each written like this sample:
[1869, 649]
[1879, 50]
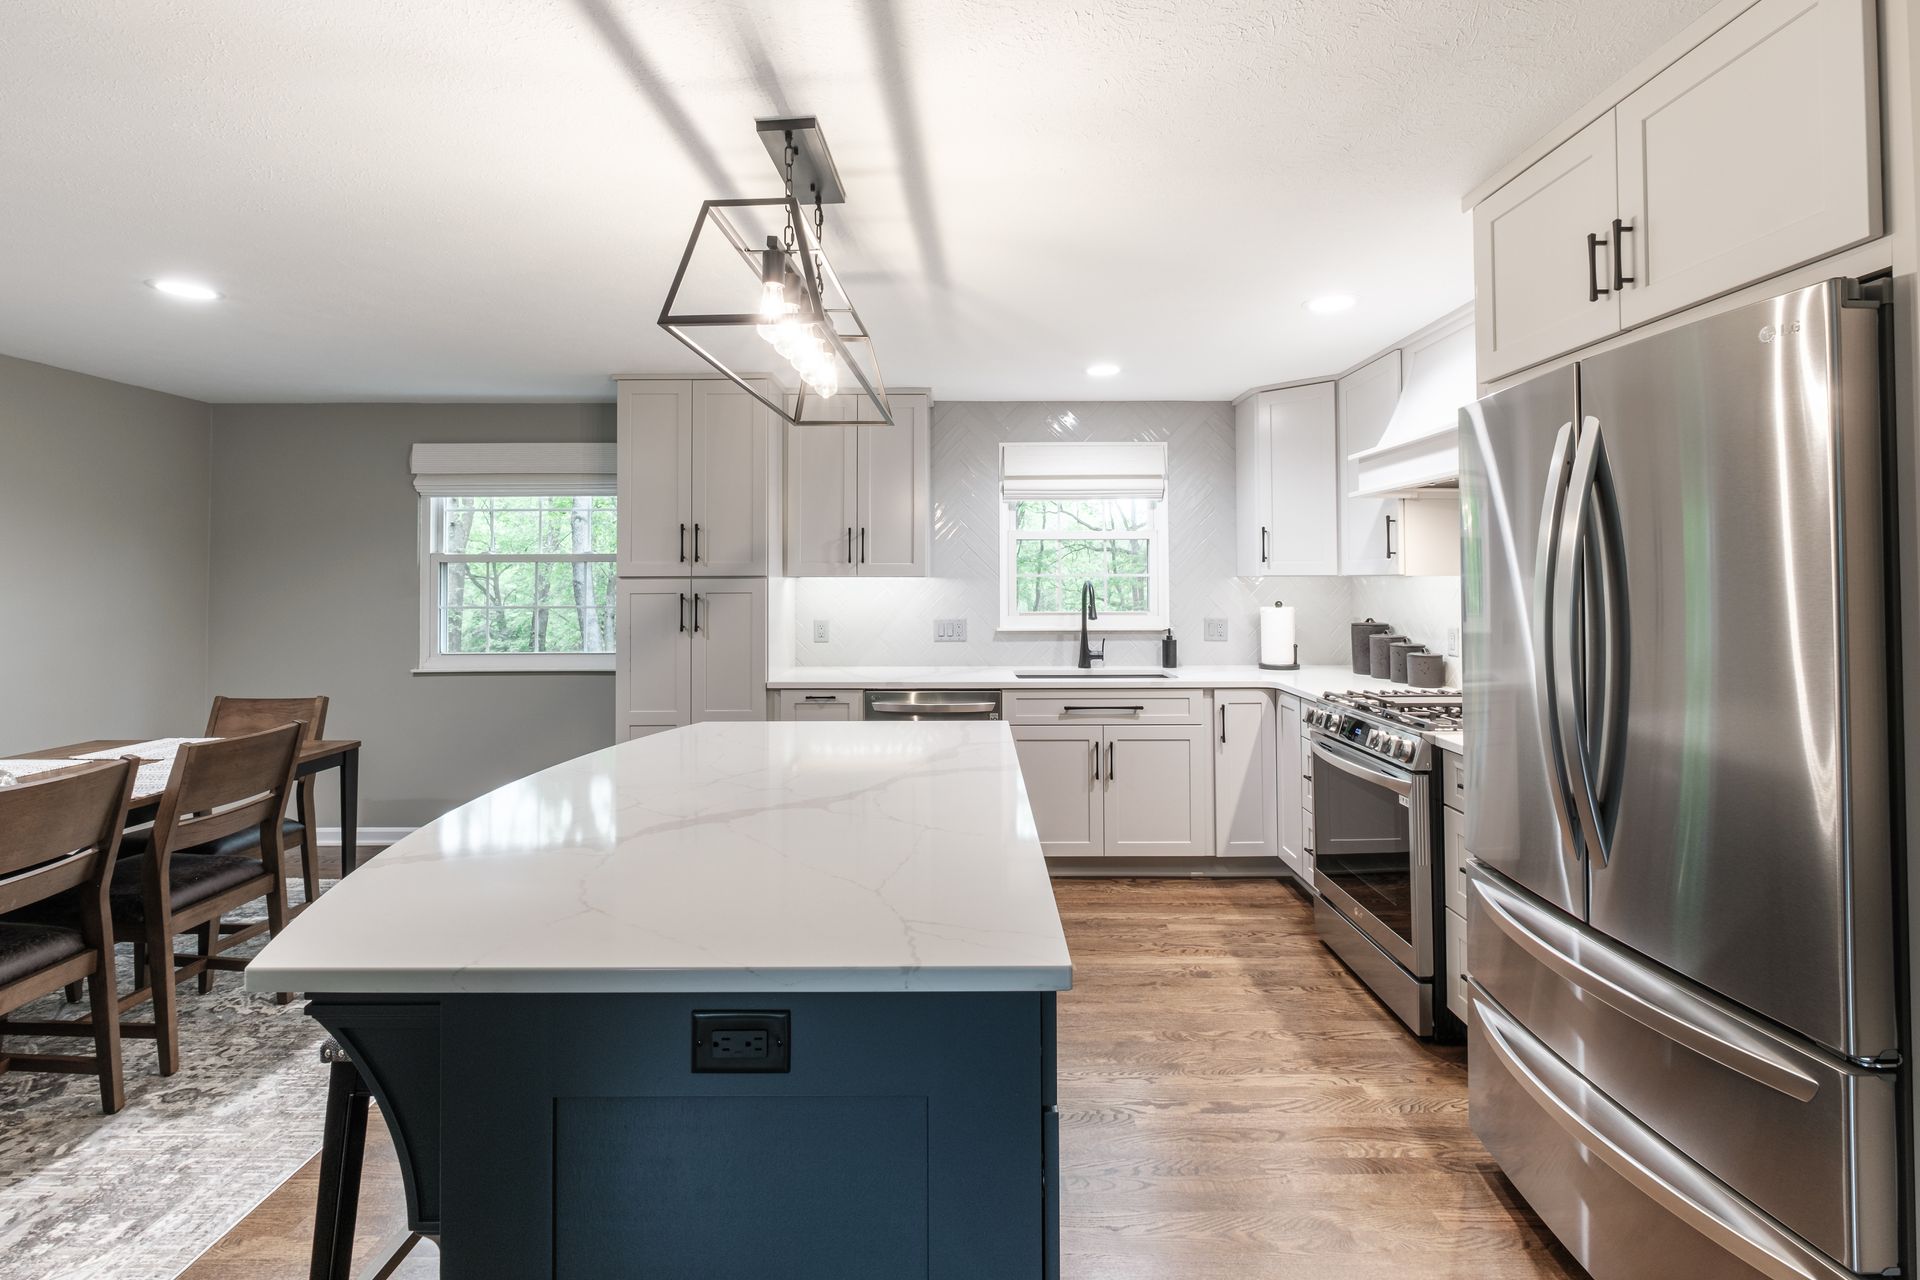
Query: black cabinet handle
[1109, 762]
[1594, 291]
[820, 697]
[683, 611]
[1620, 279]
[683, 542]
[696, 608]
[1095, 744]
[863, 544]
[1389, 537]
[1102, 707]
[696, 548]
[1223, 726]
[849, 544]
[1263, 544]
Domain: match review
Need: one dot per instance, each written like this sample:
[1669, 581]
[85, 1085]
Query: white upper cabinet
[697, 467]
[656, 476]
[1540, 286]
[1756, 152]
[860, 499]
[821, 479]
[1287, 473]
[1370, 528]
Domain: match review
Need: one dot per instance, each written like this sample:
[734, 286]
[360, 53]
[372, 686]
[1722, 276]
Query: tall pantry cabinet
[699, 463]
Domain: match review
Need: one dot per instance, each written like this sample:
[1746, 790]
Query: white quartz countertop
[721, 857]
[1307, 681]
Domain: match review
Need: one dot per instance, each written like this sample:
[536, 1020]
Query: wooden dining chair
[58, 840]
[231, 717]
[215, 844]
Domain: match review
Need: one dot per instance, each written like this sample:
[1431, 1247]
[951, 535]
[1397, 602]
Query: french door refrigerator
[1684, 1048]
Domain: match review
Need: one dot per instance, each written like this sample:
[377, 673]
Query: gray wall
[103, 559]
[316, 590]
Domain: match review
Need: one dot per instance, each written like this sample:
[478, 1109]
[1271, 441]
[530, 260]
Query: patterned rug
[139, 1195]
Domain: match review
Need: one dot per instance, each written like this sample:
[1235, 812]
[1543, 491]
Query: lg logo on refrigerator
[1769, 332]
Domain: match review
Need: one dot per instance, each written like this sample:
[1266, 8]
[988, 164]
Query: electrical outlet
[949, 629]
[820, 631]
[1216, 629]
[1453, 642]
[742, 1041]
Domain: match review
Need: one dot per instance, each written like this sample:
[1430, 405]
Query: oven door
[1372, 850]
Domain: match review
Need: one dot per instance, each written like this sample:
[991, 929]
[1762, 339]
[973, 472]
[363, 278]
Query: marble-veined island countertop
[741, 857]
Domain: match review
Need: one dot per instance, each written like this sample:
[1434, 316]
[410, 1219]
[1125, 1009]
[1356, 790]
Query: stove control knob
[1313, 717]
[1407, 750]
[1373, 739]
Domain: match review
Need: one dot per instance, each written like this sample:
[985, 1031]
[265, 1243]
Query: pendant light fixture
[800, 311]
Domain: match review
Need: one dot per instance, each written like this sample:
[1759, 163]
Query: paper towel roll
[1277, 648]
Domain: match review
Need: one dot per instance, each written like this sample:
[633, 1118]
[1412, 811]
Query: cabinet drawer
[1107, 706]
[1456, 962]
[1454, 833]
[820, 704]
[1453, 781]
[1306, 791]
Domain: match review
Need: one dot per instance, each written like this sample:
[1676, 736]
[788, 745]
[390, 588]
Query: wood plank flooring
[1234, 1106]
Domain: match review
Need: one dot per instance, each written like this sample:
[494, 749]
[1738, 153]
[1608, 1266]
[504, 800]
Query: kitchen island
[740, 999]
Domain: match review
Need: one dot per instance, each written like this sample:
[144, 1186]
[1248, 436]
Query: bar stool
[343, 1150]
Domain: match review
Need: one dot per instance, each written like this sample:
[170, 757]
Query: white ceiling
[447, 199]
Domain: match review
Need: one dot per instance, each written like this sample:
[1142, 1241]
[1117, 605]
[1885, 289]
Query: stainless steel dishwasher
[933, 704]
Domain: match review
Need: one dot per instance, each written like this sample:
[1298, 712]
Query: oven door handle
[1393, 782]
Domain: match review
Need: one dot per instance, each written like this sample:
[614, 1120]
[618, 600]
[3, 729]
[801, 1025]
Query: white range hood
[1420, 448]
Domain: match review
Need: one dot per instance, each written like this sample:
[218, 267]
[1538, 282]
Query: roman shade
[513, 470]
[1083, 469]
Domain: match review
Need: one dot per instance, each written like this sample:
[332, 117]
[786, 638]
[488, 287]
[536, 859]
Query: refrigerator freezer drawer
[1806, 1137]
[1623, 1201]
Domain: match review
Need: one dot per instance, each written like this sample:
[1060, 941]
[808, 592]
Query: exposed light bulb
[773, 301]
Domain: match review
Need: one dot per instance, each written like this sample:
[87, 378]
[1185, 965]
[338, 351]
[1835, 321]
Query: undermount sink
[1090, 675]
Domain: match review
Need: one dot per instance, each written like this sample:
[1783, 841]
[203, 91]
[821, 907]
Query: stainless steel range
[1376, 860]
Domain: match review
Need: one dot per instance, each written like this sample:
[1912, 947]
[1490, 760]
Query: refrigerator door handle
[1607, 578]
[1644, 1160]
[1575, 523]
[1660, 1006]
[1550, 509]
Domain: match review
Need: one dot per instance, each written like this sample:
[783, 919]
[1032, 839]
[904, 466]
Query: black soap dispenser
[1169, 650]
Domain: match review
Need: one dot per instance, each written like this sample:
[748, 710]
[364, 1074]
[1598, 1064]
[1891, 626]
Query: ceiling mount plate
[813, 167]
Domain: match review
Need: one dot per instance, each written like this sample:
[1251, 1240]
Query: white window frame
[503, 471]
[1157, 579]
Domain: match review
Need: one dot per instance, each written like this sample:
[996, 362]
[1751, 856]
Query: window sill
[1063, 624]
[515, 666]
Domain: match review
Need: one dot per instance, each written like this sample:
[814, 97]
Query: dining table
[317, 756]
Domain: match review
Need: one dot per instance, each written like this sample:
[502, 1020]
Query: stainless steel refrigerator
[1683, 1045]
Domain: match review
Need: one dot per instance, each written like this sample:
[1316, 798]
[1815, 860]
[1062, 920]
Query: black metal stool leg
[342, 1152]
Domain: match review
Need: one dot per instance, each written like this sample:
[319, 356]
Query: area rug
[139, 1195]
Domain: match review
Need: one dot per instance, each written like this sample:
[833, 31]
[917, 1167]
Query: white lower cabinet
[689, 649]
[1291, 792]
[820, 704]
[1119, 790]
[1457, 964]
[1453, 842]
[1065, 771]
[1246, 810]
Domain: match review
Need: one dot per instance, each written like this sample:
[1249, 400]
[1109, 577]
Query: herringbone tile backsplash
[889, 621]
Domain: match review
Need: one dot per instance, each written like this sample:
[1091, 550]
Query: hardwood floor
[1234, 1106]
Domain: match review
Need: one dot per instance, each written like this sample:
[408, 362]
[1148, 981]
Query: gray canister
[1362, 652]
[1379, 654]
[1426, 670]
[1397, 660]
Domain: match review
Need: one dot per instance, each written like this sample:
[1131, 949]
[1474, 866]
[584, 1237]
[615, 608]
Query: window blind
[1061, 469]
[513, 470]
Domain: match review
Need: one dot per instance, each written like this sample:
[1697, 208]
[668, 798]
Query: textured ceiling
[444, 199]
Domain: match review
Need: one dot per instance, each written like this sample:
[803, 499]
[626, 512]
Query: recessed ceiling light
[1104, 369]
[185, 290]
[1328, 304]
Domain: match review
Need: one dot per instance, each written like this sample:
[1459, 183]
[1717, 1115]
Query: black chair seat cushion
[26, 949]
[194, 877]
[134, 844]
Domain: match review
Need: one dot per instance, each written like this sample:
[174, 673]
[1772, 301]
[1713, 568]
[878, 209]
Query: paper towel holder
[1283, 666]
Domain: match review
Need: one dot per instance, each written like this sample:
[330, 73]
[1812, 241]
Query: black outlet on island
[742, 1040]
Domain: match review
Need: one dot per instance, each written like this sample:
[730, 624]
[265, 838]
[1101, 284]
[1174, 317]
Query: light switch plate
[820, 631]
[1453, 642]
[1216, 629]
[949, 630]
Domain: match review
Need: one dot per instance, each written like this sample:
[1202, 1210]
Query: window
[516, 572]
[1074, 513]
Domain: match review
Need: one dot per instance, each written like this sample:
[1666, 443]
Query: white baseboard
[366, 837]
